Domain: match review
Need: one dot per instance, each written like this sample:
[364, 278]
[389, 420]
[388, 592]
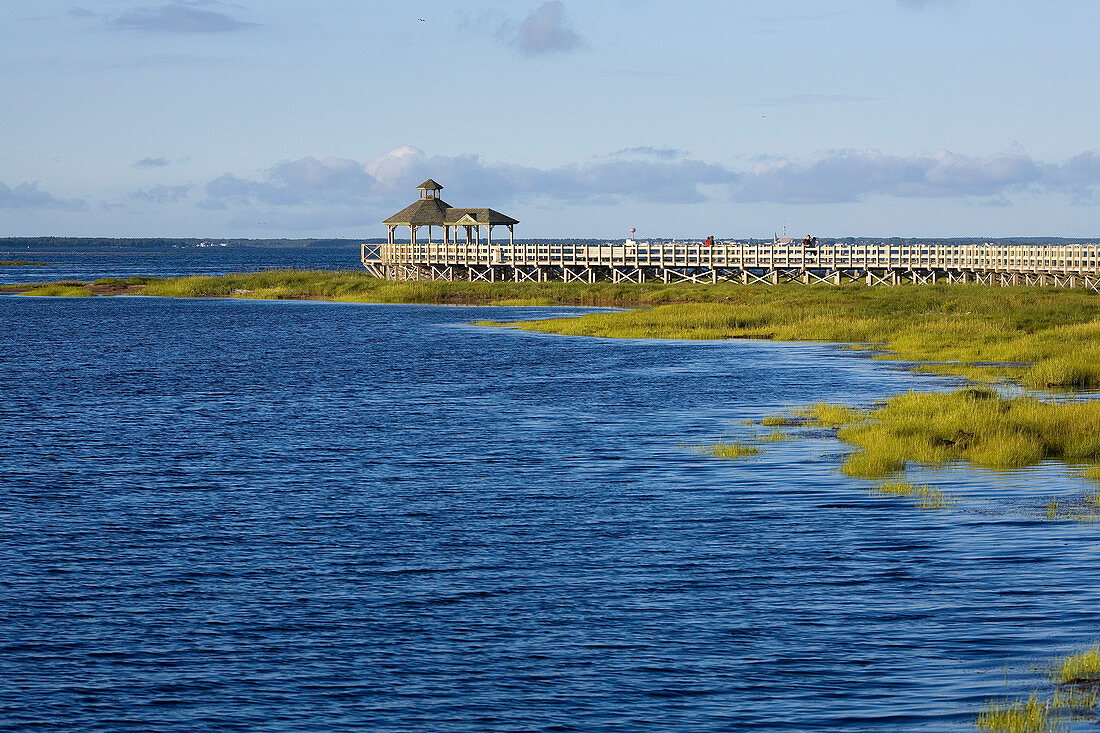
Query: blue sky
[317, 119]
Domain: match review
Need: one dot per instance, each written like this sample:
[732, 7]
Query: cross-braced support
[481, 274]
[888, 277]
[749, 277]
[525, 274]
[627, 275]
[823, 277]
[436, 272]
[572, 274]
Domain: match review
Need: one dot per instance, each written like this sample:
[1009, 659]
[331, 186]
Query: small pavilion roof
[424, 211]
[481, 216]
[432, 210]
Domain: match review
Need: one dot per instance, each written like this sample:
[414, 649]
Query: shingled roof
[424, 211]
[481, 216]
[437, 212]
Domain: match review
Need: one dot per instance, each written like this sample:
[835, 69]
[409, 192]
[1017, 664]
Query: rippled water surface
[239, 515]
[91, 263]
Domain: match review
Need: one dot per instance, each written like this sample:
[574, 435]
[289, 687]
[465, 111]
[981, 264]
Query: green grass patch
[358, 286]
[1030, 716]
[66, 289]
[781, 421]
[124, 282]
[22, 263]
[1078, 668]
[830, 415]
[774, 436]
[926, 497]
[1075, 697]
[973, 425]
[1046, 338]
[729, 449]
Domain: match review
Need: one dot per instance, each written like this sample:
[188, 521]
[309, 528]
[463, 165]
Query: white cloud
[545, 30]
[177, 17]
[852, 175]
[162, 194]
[311, 191]
[150, 163]
[292, 182]
[391, 180]
[28, 196]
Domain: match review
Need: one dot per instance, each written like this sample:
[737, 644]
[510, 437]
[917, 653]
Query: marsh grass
[926, 497]
[120, 282]
[1076, 679]
[974, 425]
[1074, 700]
[1078, 668]
[22, 263]
[63, 289]
[1030, 716]
[1045, 338]
[781, 421]
[830, 415]
[775, 436]
[729, 449]
[358, 286]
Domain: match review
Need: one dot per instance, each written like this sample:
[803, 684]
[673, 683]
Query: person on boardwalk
[709, 242]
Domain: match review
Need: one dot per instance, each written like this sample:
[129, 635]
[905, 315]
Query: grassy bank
[21, 263]
[358, 287]
[971, 425]
[1043, 338]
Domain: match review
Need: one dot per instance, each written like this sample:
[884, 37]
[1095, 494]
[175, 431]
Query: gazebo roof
[480, 216]
[424, 211]
[431, 210]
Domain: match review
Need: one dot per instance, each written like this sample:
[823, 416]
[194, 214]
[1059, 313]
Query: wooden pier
[1075, 265]
[779, 261]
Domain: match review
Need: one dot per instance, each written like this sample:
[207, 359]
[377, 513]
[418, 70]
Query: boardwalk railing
[1060, 265]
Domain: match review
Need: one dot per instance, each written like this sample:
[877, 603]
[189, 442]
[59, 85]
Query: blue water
[288, 516]
[87, 264]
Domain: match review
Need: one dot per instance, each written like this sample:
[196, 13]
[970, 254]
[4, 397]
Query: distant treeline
[139, 243]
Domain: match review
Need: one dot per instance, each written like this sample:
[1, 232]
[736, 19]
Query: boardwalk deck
[673, 262]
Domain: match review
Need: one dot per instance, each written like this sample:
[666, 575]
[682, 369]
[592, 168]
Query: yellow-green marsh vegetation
[65, 289]
[1075, 678]
[729, 449]
[1044, 338]
[926, 497]
[1030, 716]
[1078, 668]
[974, 425]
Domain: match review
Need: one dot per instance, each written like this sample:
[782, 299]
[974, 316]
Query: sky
[738, 118]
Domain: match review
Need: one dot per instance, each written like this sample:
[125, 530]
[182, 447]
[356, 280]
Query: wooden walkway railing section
[674, 262]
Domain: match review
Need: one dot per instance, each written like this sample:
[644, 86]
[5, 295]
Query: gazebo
[431, 211]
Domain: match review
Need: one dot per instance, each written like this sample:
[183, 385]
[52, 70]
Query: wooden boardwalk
[1076, 265]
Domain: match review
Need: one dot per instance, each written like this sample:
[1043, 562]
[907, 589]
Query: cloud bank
[642, 175]
[177, 17]
[28, 196]
[150, 163]
[544, 31]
